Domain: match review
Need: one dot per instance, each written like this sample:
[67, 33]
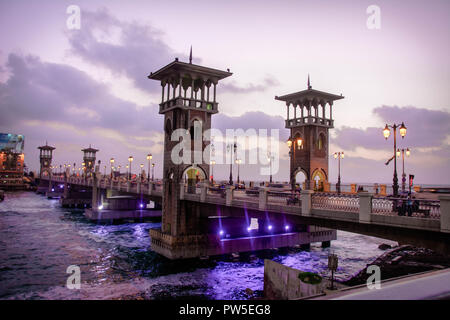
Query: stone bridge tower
[309, 123]
[45, 158]
[89, 156]
[188, 100]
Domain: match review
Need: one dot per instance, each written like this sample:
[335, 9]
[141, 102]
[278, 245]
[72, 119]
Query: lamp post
[153, 171]
[149, 158]
[130, 160]
[386, 133]
[212, 162]
[140, 174]
[339, 155]
[118, 167]
[231, 147]
[403, 152]
[291, 142]
[111, 161]
[269, 158]
[238, 162]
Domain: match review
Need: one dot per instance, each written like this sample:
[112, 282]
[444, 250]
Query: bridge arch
[318, 178]
[300, 177]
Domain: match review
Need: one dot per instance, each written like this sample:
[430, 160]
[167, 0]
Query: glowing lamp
[402, 130]
[289, 143]
[408, 152]
[386, 132]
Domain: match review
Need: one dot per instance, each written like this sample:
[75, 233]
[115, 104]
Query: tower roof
[89, 149]
[46, 147]
[177, 67]
[309, 94]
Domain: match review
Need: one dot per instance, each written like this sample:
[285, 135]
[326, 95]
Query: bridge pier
[445, 213]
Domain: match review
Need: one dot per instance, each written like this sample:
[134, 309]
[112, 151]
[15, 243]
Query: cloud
[268, 82]
[425, 128]
[45, 91]
[126, 48]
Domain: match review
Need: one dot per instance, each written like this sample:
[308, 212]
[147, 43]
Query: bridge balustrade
[323, 201]
[420, 208]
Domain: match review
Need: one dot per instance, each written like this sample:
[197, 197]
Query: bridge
[199, 219]
[362, 213]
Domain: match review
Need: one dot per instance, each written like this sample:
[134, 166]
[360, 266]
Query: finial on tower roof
[46, 143]
[190, 56]
[309, 83]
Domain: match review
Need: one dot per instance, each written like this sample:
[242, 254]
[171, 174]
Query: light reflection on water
[39, 240]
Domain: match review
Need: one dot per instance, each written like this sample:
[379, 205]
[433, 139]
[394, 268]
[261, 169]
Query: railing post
[365, 206]
[305, 197]
[229, 195]
[182, 190]
[445, 213]
[203, 190]
[150, 187]
[262, 198]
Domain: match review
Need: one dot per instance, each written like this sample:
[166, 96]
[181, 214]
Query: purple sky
[89, 86]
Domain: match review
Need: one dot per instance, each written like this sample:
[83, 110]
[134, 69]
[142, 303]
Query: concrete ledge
[406, 222]
[108, 215]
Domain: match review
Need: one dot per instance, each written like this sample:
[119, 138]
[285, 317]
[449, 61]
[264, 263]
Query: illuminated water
[39, 240]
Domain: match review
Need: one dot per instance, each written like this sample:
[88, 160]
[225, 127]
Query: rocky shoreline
[401, 261]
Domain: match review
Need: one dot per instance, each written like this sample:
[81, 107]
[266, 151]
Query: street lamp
[212, 162]
[408, 153]
[269, 158]
[238, 162]
[149, 158]
[111, 161]
[153, 171]
[130, 160]
[141, 165]
[386, 133]
[231, 147]
[339, 155]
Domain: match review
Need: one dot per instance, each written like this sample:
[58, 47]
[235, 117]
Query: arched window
[168, 128]
[196, 130]
[321, 142]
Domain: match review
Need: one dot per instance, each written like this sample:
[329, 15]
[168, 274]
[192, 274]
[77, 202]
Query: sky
[76, 87]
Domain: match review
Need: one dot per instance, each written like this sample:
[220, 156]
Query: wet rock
[249, 291]
[384, 246]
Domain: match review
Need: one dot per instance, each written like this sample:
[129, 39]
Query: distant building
[11, 161]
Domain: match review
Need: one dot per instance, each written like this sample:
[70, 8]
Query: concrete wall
[282, 283]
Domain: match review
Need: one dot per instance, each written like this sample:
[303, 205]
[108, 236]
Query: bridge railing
[340, 202]
[422, 208]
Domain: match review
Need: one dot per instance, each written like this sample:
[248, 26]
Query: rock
[384, 246]
[396, 259]
[249, 291]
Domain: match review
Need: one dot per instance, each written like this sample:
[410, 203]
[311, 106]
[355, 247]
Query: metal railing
[325, 201]
[422, 208]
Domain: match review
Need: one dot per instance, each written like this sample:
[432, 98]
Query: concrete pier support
[365, 206]
[263, 198]
[305, 197]
[445, 213]
[229, 195]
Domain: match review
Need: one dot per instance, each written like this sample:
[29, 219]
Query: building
[11, 161]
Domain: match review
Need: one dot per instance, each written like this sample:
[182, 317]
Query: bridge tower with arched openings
[188, 100]
[45, 158]
[89, 156]
[309, 124]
